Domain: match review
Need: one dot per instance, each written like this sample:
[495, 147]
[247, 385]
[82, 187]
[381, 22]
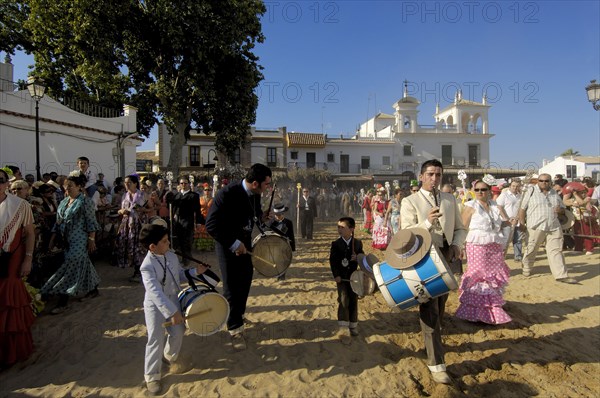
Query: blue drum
[429, 278]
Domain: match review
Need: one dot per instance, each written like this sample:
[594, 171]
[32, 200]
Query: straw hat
[366, 263]
[53, 184]
[408, 247]
[566, 220]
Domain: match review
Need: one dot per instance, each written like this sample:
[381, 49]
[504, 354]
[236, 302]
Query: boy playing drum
[161, 275]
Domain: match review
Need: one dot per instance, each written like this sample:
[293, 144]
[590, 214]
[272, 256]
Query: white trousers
[156, 347]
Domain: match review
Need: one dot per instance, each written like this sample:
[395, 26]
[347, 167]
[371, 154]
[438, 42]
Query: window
[294, 155]
[235, 158]
[271, 157]
[473, 155]
[446, 154]
[330, 158]
[365, 162]
[385, 160]
[408, 150]
[194, 156]
[311, 160]
[571, 171]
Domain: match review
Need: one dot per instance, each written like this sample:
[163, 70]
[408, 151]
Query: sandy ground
[551, 349]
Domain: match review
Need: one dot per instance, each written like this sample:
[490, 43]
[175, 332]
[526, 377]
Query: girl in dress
[482, 285]
[17, 238]
[381, 230]
[130, 252]
[76, 221]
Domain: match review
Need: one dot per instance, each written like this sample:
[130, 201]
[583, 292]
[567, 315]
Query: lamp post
[593, 92]
[36, 90]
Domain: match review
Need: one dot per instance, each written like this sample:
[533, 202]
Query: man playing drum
[231, 218]
[438, 213]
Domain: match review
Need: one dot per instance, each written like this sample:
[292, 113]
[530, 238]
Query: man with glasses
[541, 207]
[186, 214]
[308, 211]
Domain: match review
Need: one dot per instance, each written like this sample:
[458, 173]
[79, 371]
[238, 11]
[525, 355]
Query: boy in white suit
[162, 275]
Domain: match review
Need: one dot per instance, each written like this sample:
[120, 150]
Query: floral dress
[366, 205]
[482, 285]
[129, 250]
[381, 229]
[77, 275]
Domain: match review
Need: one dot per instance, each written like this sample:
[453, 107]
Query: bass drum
[272, 254]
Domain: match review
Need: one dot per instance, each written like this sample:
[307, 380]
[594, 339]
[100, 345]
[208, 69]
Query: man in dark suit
[186, 214]
[308, 211]
[231, 218]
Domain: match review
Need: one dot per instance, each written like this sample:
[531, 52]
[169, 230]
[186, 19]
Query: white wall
[64, 136]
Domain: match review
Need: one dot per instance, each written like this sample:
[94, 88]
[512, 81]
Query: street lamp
[215, 159]
[36, 90]
[593, 92]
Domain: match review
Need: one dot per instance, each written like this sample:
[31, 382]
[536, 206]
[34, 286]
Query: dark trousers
[430, 316]
[185, 239]
[348, 303]
[236, 272]
[306, 223]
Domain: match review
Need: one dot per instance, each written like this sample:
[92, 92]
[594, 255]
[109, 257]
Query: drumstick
[195, 314]
[263, 260]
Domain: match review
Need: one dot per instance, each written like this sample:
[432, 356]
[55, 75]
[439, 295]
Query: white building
[573, 167]
[386, 147]
[64, 135]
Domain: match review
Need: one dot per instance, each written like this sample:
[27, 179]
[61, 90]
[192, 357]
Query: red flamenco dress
[16, 314]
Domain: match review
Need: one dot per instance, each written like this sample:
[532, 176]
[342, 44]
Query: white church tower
[406, 113]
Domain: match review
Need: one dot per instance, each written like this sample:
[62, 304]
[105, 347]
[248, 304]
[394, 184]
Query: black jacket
[231, 215]
[340, 251]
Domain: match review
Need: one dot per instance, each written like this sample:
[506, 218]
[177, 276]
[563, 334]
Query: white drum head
[207, 314]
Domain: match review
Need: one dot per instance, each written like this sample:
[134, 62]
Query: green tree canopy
[188, 63]
[570, 152]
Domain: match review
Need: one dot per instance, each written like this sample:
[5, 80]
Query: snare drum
[213, 309]
[273, 248]
[429, 278]
[362, 284]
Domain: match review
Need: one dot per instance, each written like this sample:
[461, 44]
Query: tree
[188, 63]
[570, 152]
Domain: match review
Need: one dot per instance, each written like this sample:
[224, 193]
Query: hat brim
[567, 220]
[277, 211]
[394, 261]
[366, 263]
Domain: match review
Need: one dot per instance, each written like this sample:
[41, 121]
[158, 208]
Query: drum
[272, 254]
[429, 278]
[205, 310]
[362, 284]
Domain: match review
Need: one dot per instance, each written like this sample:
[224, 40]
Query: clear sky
[328, 65]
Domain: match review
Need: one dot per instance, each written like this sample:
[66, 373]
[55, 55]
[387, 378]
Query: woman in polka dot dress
[482, 285]
[76, 221]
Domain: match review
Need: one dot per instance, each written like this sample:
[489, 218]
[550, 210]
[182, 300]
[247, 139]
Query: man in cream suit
[438, 213]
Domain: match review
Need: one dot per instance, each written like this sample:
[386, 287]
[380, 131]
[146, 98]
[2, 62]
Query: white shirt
[510, 202]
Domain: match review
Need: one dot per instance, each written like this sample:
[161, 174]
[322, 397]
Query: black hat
[280, 208]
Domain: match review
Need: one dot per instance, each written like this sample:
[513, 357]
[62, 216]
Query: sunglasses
[481, 190]
[207, 190]
[543, 180]
[184, 183]
[414, 190]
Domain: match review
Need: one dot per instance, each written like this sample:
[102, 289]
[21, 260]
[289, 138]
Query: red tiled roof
[305, 139]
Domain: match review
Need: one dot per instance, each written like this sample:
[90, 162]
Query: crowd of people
[50, 229]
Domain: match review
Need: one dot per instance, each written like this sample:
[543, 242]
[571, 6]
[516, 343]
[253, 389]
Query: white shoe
[441, 377]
